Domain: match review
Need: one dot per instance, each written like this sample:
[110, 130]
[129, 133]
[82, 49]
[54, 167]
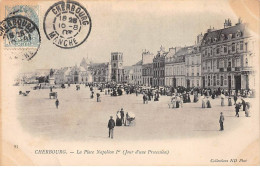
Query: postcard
[119, 83]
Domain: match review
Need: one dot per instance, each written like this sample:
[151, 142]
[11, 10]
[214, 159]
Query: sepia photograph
[129, 83]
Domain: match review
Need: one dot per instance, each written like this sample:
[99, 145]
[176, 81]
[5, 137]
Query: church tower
[117, 66]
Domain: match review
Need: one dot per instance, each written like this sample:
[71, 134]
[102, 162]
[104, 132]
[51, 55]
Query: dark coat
[111, 124]
[221, 119]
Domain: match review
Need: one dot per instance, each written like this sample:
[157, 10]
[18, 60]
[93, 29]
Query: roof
[222, 34]
[183, 51]
[139, 63]
[94, 65]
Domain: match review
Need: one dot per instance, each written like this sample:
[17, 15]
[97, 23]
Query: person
[221, 121]
[247, 109]
[122, 114]
[92, 95]
[222, 99]
[50, 88]
[118, 120]
[229, 101]
[208, 103]
[237, 107]
[144, 98]
[235, 99]
[203, 103]
[57, 103]
[243, 104]
[98, 97]
[111, 125]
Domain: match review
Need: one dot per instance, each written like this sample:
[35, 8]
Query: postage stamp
[30, 12]
[67, 24]
[23, 35]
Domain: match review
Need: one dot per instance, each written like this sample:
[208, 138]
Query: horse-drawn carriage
[53, 95]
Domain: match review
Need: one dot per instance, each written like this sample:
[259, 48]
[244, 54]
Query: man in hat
[111, 125]
[122, 114]
[221, 121]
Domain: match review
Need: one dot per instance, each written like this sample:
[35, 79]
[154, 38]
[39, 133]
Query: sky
[130, 27]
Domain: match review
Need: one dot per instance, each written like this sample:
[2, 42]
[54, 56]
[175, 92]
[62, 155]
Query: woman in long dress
[208, 103]
[222, 100]
[173, 101]
[203, 102]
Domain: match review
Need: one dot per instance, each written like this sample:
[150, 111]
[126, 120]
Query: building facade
[117, 69]
[147, 74]
[129, 74]
[101, 72]
[193, 67]
[227, 57]
[137, 73]
[147, 68]
[169, 67]
[159, 68]
[175, 67]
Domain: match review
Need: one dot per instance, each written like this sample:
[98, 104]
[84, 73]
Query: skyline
[115, 30]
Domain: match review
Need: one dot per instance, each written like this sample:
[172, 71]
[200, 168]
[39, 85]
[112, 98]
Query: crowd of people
[178, 97]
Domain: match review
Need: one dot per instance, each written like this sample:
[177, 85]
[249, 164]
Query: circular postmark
[67, 24]
[21, 37]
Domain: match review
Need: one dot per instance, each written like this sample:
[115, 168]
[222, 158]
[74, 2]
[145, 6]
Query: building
[129, 74]
[193, 64]
[101, 72]
[72, 75]
[159, 67]
[147, 68]
[147, 74]
[137, 74]
[176, 71]
[117, 70]
[169, 65]
[227, 57]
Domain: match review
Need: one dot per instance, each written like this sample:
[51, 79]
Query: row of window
[225, 49]
[117, 57]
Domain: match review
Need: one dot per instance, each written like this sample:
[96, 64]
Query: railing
[221, 69]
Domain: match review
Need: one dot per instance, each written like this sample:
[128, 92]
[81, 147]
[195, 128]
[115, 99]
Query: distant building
[147, 68]
[227, 57]
[169, 67]
[101, 72]
[159, 68]
[193, 64]
[129, 74]
[137, 74]
[117, 74]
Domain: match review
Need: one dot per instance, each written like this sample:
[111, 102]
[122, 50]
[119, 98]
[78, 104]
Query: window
[246, 46]
[233, 47]
[221, 80]
[221, 64]
[225, 49]
[241, 45]
[238, 62]
[217, 50]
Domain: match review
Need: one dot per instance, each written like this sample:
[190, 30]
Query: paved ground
[81, 118]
